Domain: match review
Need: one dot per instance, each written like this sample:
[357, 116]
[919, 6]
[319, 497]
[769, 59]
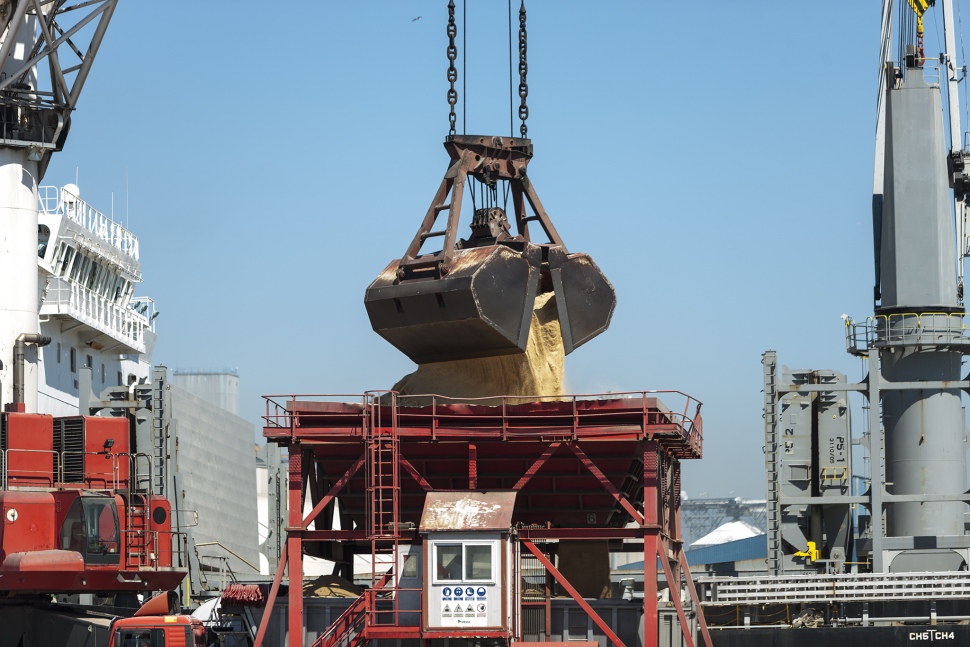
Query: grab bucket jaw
[585, 298]
[481, 308]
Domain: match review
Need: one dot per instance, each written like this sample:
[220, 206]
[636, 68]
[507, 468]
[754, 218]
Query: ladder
[383, 479]
[161, 416]
[138, 540]
[773, 504]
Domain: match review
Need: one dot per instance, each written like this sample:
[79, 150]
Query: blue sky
[714, 159]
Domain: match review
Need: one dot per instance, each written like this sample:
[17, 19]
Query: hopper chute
[474, 297]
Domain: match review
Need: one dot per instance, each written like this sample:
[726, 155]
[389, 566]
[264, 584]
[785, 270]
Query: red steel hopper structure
[579, 467]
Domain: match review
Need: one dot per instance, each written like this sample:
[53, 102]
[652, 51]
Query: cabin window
[478, 562]
[58, 352]
[43, 237]
[102, 373]
[90, 363]
[464, 562]
[447, 562]
[121, 379]
[91, 528]
[73, 360]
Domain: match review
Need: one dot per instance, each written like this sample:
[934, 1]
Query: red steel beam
[536, 466]
[337, 487]
[575, 594]
[294, 549]
[650, 490]
[472, 466]
[415, 474]
[674, 588]
[705, 633]
[271, 600]
[651, 616]
[605, 482]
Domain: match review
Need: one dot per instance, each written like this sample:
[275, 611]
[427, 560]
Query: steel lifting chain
[523, 71]
[452, 70]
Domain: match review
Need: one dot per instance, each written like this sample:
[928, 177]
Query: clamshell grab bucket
[481, 308]
[474, 297]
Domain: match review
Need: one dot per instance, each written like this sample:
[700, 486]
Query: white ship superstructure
[88, 268]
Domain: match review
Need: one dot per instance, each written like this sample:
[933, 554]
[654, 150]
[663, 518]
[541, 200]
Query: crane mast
[47, 48]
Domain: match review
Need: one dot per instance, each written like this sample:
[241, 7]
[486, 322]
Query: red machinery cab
[157, 624]
[157, 631]
[76, 540]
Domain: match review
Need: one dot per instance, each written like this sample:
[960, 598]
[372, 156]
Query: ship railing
[54, 200]
[818, 588]
[923, 329]
[431, 410]
[124, 323]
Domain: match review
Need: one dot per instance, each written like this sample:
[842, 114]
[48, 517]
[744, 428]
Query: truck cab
[157, 631]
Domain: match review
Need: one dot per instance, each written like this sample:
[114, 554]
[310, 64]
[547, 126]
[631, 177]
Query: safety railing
[831, 588]
[93, 470]
[923, 329]
[347, 630]
[397, 608]
[60, 201]
[502, 417]
[121, 322]
[20, 124]
[152, 549]
[27, 467]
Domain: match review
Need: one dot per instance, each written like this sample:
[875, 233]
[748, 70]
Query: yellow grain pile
[537, 371]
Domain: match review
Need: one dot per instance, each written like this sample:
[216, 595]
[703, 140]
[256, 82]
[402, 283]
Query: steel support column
[294, 548]
[651, 618]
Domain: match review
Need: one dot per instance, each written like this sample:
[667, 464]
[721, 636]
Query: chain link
[452, 71]
[523, 71]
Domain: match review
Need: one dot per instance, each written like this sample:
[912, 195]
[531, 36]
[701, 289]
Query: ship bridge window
[91, 528]
[66, 262]
[80, 268]
[92, 275]
[43, 237]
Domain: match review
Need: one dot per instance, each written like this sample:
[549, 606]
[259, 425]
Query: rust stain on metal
[467, 510]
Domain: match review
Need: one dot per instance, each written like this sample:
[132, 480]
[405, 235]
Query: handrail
[60, 201]
[353, 618]
[905, 328]
[280, 415]
[121, 322]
